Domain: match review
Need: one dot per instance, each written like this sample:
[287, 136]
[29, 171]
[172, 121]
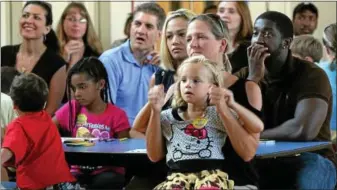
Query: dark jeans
[145, 174]
[105, 180]
[307, 171]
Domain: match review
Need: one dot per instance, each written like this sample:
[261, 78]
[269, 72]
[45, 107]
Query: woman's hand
[73, 46]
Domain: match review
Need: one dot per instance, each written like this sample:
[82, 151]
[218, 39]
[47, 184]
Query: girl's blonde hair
[216, 77]
[90, 37]
[220, 30]
[165, 55]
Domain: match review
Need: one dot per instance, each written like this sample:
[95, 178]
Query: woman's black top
[48, 64]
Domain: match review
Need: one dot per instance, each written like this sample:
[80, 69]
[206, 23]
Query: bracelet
[252, 81]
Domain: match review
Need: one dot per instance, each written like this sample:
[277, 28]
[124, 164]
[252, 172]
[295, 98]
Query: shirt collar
[127, 55]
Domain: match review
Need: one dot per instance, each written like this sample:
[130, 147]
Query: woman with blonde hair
[172, 53]
[239, 21]
[209, 35]
[76, 34]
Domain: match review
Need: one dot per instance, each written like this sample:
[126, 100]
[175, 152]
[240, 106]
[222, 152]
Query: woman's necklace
[27, 63]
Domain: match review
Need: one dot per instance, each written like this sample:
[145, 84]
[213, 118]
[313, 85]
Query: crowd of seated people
[218, 84]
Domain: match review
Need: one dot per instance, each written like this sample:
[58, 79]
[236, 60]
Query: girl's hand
[217, 98]
[157, 97]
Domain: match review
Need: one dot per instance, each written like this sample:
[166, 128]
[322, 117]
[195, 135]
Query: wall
[109, 17]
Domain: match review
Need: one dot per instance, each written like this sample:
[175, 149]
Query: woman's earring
[44, 37]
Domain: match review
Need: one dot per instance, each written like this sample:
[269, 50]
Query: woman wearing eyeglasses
[76, 34]
[38, 51]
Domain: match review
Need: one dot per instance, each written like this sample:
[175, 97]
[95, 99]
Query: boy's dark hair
[300, 8]
[95, 70]
[29, 92]
[153, 9]
[282, 21]
[7, 76]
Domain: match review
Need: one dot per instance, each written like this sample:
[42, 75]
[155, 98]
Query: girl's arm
[154, 138]
[55, 121]
[56, 90]
[141, 122]
[123, 134]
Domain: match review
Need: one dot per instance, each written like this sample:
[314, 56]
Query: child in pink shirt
[91, 115]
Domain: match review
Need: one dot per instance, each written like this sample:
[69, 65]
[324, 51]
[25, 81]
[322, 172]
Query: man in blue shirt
[131, 65]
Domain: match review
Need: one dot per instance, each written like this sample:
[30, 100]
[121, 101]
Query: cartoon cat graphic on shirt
[197, 143]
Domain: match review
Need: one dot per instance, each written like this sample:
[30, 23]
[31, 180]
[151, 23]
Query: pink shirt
[105, 125]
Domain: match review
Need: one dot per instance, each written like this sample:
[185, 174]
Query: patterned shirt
[186, 142]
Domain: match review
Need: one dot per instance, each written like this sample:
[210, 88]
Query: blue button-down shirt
[128, 79]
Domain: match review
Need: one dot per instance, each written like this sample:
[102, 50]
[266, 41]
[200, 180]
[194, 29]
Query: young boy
[32, 142]
[307, 47]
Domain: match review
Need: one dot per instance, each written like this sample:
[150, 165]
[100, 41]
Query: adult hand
[257, 54]
[152, 58]
[217, 98]
[156, 97]
[73, 46]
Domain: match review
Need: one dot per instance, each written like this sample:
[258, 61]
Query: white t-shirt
[7, 112]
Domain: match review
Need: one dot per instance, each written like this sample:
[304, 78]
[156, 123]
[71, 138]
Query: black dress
[48, 64]
[239, 58]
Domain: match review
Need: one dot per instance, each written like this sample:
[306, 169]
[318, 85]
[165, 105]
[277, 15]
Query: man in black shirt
[297, 103]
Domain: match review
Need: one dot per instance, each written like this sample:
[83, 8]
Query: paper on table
[137, 151]
[77, 138]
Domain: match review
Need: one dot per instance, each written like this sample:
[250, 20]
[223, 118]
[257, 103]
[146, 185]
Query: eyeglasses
[74, 20]
[218, 20]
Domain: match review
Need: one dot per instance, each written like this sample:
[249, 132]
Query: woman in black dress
[38, 52]
[238, 19]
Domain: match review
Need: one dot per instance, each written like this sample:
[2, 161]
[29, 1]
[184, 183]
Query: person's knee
[316, 172]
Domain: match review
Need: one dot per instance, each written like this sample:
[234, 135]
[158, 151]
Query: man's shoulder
[309, 70]
[113, 52]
